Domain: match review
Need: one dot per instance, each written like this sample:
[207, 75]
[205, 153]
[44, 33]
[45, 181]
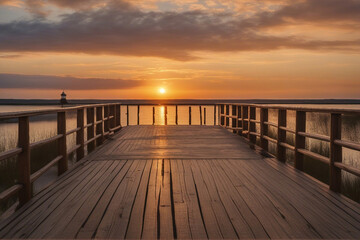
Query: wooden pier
[181, 182]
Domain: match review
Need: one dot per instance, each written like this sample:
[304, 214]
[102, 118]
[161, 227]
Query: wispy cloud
[11, 81]
[120, 28]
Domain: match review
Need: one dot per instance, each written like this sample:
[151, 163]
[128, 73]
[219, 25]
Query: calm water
[42, 127]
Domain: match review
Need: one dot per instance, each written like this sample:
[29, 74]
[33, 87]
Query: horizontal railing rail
[241, 119]
[107, 122]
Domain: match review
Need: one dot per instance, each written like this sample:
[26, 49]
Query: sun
[162, 90]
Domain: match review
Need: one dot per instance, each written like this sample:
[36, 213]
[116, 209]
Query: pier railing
[102, 120]
[203, 114]
[242, 119]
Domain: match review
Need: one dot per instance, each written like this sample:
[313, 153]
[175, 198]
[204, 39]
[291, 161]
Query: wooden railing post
[24, 160]
[335, 152]
[106, 116]
[204, 115]
[236, 119]
[299, 140]
[165, 115]
[189, 115]
[222, 112]
[176, 114]
[113, 114]
[118, 115]
[252, 125]
[264, 129]
[138, 114]
[215, 115]
[80, 152]
[100, 125]
[238, 122]
[153, 115]
[281, 135]
[61, 129]
[227, 118]
[243, 116]
[200, 115]
[127, 115]
[90, 119]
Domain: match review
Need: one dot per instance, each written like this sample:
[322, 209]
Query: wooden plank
[181, 215]
[91, 224]
[60, 216]
[294, 223]
[135, 226]
[318, 213]
[71, 223]
[37, 215]
[196, 220]
[115, 221]
[222, 216]
[150, 223]
[165, 205]
[211, 224]
[41, 198]
[243, 219]
[270, 218]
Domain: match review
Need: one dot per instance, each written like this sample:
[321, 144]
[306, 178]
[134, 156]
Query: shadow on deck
[183, 182]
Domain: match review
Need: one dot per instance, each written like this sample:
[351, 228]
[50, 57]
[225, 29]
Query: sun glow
[162, 90]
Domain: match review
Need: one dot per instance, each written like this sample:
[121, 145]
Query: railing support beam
[335, 152]
[61, 128]
[264, 129]
[80, 152]
[24, 160]
[281, 135]
[299, 140]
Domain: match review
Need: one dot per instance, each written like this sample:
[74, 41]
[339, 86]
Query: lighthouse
[63, 98]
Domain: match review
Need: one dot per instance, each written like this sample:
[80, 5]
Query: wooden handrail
[10, 192]
[347, 168]
[271, 124]
[40, 172]
[45, 141]
[348, 144]
[73, 131]
[315, 136]
[314, 155]
[247, 117]
[287, 129]
[10, 153]
[25, 179]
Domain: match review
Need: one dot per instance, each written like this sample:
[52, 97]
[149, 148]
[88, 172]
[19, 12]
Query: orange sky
[192, 48]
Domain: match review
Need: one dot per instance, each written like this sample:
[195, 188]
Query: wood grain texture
[183, 182]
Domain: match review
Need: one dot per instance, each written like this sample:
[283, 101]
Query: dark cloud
[70, 83]
[121, 29]
[312, 11]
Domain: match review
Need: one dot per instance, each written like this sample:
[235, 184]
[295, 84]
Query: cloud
[10, 56]
[120, 28]
[19, 81]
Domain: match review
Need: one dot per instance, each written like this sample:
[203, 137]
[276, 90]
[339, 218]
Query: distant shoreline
[178, 101]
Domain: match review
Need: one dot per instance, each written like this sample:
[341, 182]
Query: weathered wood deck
[183, 182]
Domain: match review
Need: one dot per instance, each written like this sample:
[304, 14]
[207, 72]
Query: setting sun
[162, 90]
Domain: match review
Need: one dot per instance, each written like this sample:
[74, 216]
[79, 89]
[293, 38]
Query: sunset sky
[120, 49]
